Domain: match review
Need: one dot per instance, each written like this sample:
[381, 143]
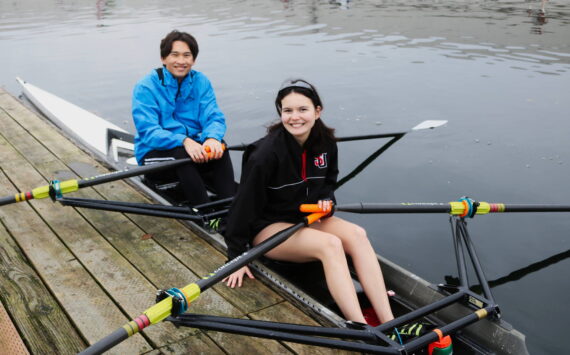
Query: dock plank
[235, 344]
[198, 343]
[31, 306]
[62, 273]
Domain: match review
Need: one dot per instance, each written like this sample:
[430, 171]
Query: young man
[176, 116]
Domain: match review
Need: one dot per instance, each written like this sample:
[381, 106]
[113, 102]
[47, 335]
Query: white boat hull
[90, 129]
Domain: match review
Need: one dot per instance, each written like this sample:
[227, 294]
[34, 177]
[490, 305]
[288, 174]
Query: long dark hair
[320, 133]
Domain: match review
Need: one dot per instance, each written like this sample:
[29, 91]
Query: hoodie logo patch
[321, 161]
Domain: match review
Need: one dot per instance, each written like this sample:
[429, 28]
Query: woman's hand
[195, 150]
[216, 149]
[237, 277]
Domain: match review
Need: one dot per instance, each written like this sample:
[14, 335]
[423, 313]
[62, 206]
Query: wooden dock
[69, 277]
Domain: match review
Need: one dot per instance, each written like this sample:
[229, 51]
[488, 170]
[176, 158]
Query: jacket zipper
[175, 103]
[177, 92]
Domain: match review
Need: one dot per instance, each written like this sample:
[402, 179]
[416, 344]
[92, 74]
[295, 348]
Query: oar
[429, 124]
[423, 125]
[74, 184]
[191, 292]
[462, 208]
[396, 136]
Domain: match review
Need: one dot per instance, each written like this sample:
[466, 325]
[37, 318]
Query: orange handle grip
[210, 155]
[313, 217]
[312, 208]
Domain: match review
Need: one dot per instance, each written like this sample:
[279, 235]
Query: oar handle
[313, 208]
[315, 217]
[210, 154]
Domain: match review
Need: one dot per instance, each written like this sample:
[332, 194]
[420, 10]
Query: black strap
[160, 75]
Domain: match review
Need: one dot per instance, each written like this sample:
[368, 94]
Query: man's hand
[216, 149]
[195, 150]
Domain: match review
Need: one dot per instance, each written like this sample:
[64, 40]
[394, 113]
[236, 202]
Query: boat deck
[69, 277]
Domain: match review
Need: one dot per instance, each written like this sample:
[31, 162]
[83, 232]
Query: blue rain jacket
[165, 113]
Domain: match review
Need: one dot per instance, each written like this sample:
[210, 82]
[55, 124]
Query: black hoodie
[277, 176]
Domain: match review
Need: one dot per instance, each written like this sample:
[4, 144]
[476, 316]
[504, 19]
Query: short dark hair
[320, 133]
[166, 43]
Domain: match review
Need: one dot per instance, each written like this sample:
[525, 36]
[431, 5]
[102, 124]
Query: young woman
[296, 163]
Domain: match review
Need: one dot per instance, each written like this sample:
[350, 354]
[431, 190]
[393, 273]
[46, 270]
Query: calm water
[498, 72]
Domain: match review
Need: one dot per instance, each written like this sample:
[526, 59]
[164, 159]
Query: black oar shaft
[150, 206]
[94, 204]
[370, 136]
[455, 208]
[395, 208]
[243, 146]
[536, 208]
[73, 184]
[127, 173]
[108, 342]
[244, 259]
[7, 200]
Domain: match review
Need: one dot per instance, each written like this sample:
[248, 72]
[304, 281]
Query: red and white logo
[321, 161]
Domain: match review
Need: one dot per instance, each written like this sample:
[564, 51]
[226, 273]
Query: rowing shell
[101, 137]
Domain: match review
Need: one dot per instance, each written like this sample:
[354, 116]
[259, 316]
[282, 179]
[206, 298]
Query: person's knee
[330, 247]
[360, 233]
[358, 241]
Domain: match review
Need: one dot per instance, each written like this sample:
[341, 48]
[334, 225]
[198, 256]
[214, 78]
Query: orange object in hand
[210, 154]
[312, 208]
[313, 217]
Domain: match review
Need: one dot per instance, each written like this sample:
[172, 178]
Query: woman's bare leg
[356, 244]
[309, 244]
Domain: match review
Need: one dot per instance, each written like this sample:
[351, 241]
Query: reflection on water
[539, 18]
[516, 274]
[498, 70]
